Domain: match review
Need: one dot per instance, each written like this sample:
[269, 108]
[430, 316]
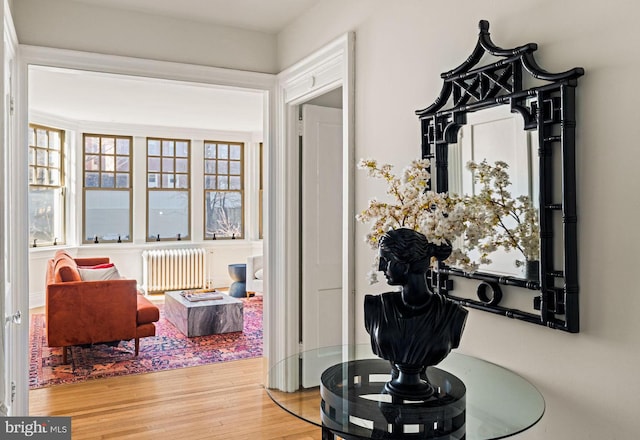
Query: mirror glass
[496, 134]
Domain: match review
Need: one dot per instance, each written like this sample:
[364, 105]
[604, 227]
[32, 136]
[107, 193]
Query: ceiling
[269, 16]
[107, 98]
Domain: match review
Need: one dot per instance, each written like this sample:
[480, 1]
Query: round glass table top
[499, 403]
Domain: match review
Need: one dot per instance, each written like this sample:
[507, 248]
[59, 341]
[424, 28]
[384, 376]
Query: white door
[321, 237]
[13, 383]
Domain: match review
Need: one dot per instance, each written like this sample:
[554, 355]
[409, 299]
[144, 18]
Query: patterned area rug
[168, 350]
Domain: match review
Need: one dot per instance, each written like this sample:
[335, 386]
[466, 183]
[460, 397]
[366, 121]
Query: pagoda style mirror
[499, 107]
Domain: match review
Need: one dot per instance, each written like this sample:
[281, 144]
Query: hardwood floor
[220, 401]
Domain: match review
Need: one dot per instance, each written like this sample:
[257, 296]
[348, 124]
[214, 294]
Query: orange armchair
[89, 312]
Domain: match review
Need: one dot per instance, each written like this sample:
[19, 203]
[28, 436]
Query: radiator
[174, 269]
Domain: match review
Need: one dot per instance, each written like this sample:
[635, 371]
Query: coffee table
[200, 318]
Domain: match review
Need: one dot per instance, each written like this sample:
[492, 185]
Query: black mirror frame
[549, 108]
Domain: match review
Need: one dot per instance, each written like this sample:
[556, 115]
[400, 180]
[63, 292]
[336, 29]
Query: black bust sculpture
[414, 328]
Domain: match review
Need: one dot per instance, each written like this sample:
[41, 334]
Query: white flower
[442, 218]
[500, 220]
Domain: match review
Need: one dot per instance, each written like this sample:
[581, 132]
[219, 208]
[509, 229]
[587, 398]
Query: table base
[355, 405]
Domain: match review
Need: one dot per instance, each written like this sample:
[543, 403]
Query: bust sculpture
[415, 327]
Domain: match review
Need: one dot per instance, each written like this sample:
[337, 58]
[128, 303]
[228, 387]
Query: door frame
[327, 69]
[63, 58]
[14, 333]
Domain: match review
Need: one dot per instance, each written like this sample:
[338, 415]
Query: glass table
[499, 403]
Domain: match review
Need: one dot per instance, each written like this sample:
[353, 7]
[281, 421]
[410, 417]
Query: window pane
[167, 148]
[32, 136]
[234, 168]
[108, 146]
[153, 148]
[210, 151]
[168, 180]
[91, 144]
[106, 215]
[122, 146]
[41, 176]
[153, 181]
[41, 138]
[182, 149]
[210, 182]
[122, 163]
[154, 164]
[108, 180]
[32, 175]
[41, 157]
[223, 214]
[182, 165]
[108, 163]
[54, 159]
[223, 167]
[54, 177]
[223, 151]
[91, 180]
[210, 166]
[45, 207]
[54, 140]
[122, 180]
[182, 181]
[91, 163]
[32, 156]
[168, 213]
[167, 165]
[234, 182]
[234, 152]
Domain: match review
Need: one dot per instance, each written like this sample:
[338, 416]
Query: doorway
[324, 70]
[261, 84]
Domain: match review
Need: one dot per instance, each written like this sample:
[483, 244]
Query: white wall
[590, 380]
[66, 24]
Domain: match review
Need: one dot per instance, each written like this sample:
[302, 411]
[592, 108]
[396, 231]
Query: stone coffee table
[200, 318]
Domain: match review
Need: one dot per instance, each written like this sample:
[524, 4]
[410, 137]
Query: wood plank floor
[220, 401]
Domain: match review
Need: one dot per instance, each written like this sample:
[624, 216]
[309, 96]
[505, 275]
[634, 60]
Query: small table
[200, 318]
[499, 403]
[238, 273]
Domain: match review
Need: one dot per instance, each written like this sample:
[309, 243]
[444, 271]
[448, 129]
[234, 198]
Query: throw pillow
[109, 273]
[98, 266]
[259, 274]
[103, 266]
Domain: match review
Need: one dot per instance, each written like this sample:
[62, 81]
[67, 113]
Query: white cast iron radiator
[174, 269]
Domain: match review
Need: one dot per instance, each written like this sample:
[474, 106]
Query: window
[168, 205]
[107, 188]
[46, 185]
[223, 190]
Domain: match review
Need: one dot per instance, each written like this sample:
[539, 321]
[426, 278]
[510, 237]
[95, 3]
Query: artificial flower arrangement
[510, 223]
[472, 222]
[439, 217]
